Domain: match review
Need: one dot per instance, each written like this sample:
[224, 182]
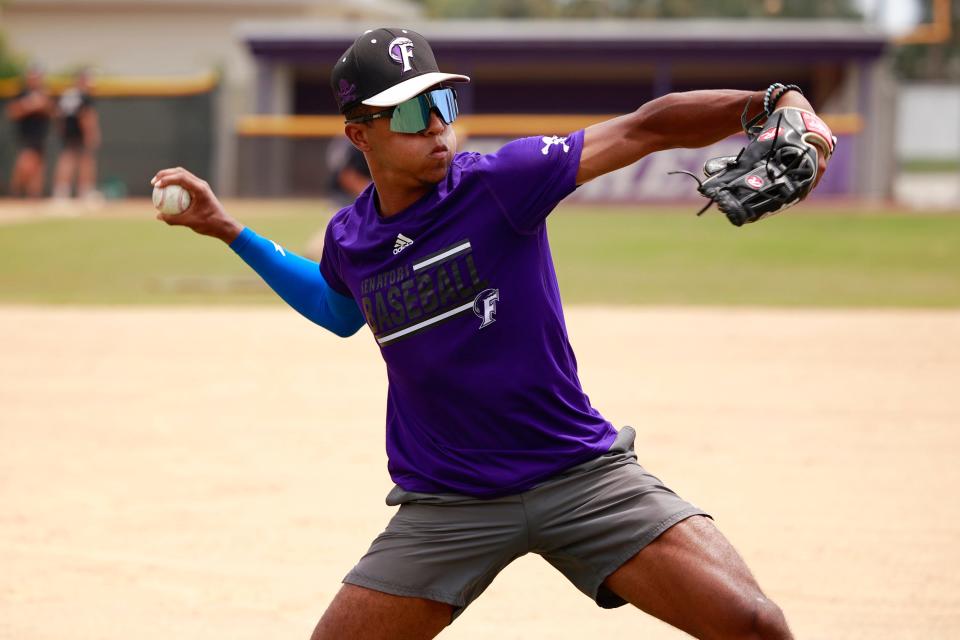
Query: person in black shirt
[80, 131]
[31, 111]
[349, 176]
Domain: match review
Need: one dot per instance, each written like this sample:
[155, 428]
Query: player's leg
[692, 578]
[87, 176]
[357, 613]
[35, 181]
[63, 173]
[21, 172]
[436, 556]
[621, 536]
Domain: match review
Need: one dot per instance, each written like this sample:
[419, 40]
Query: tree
[10, 64]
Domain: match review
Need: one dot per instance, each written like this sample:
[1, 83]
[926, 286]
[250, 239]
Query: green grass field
[603, 255]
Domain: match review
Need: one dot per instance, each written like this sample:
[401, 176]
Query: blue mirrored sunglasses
[413, 115]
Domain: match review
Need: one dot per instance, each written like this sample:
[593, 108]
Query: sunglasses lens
[445, 100]
[413, 116]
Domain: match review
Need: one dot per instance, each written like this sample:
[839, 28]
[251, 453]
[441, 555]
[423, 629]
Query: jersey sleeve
[330, 265]
[530, 176]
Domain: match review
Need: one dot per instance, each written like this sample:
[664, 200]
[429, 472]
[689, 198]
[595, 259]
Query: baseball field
[183, 456]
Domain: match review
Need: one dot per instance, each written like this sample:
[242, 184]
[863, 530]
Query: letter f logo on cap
[401, 51]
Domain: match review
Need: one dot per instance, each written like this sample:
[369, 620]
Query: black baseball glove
[776, 169]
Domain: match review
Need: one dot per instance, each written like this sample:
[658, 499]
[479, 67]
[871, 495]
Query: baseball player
[80, 131]
[31, 110]
[494, 448]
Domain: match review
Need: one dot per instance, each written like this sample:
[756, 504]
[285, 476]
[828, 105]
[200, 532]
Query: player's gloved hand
[205, 215]
[780, 166]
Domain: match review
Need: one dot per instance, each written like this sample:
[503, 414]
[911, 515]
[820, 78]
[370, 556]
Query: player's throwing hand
[205, 215]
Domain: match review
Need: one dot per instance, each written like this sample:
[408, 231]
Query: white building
[178, 39]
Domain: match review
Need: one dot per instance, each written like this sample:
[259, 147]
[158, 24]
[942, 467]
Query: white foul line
[425, 323]
[445, 254]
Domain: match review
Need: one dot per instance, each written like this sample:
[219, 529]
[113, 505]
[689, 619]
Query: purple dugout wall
[525, 70]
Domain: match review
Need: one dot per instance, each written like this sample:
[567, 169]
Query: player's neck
[392, 199]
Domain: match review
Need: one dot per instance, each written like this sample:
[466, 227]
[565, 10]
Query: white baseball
[171, 199]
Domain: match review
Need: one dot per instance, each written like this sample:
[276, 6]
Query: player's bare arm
[31, 103]
[689, 119]
[15, 110]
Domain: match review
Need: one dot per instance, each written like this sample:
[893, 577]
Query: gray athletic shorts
[586, 522]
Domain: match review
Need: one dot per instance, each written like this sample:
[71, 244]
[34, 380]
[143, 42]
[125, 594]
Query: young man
[31, 110]
[80, 132]
[493, 445]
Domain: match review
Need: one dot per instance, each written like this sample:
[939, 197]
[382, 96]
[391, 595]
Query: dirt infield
[199, 474]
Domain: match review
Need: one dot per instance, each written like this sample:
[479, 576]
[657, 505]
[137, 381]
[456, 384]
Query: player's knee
[758, 619]
[771, 623]
[753, 618]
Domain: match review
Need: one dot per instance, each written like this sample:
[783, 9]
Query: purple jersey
[460, 293]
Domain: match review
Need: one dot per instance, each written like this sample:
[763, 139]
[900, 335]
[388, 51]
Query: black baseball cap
[384, 67]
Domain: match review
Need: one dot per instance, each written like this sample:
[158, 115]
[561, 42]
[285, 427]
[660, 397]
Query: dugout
[146, 123]
[536, 77]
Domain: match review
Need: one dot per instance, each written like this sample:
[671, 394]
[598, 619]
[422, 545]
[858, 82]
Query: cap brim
[409, 88]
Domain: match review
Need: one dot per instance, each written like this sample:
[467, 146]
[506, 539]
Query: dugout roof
[468, 36]
[529, 66]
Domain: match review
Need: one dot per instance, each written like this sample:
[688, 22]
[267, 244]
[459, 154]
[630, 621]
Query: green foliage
[10, 65]
[640, 9]
[620, 255]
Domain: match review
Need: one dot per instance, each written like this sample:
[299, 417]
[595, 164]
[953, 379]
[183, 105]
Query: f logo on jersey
[485, 306]
[401, 52]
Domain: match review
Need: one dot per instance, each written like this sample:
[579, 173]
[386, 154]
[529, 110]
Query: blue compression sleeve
[299, 282]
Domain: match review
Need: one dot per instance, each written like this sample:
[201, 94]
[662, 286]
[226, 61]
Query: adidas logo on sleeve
[402, 243]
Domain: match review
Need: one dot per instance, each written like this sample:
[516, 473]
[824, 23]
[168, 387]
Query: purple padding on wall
[546, 97]
[838, 180]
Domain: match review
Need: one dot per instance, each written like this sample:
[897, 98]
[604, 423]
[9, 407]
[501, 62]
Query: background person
[349, 173]
[349, 176]
[31, 112]
[79, 128]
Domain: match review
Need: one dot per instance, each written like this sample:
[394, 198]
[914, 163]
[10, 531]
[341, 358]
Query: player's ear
[359, 136]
